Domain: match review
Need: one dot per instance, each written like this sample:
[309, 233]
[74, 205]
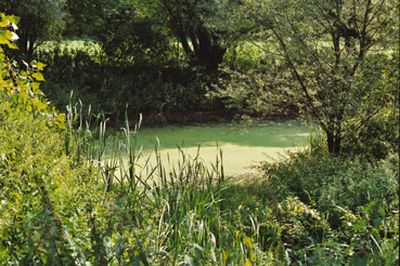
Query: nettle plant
[20, 88]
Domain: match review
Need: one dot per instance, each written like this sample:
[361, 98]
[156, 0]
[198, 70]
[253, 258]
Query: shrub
[110, 88]
[376, 139]
[358, 200]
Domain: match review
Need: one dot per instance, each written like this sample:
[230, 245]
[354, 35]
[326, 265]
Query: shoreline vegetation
[77, 186]
[99, 205]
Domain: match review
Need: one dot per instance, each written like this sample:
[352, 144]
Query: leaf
[3, 20]
[248, 263]
[14, 36]
[3, 24]
[12, 46]
[61, 121]
[9, 35]
[40, 66]
[12, 19]
[38, 76]
[35, 87]
[38, 104]
[3, 38]
[248, 242]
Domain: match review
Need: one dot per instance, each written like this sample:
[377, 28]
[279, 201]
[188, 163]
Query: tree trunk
[334, 141]
[185, 45]
[338, 140]
[215, 58]
[207, 54]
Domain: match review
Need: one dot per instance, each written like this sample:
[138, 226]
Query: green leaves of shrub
[19, 89]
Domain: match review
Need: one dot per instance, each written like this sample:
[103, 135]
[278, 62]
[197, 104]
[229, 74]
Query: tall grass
[161, 214]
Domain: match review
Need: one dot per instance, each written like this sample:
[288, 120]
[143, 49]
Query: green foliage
[125, 30]
[256, 93]
[224, 20]
[64, 202]
[145, 88]
[319, 180]
[19, 89]
[36, 201]
[256, 82]
[40, 20]
[329, 47]
[86, 17]
[135, 67]
[376, 139]
[205, 29]
[138, 41]
[374, 132]
[358, 203]
[31, 162]
[247, 54]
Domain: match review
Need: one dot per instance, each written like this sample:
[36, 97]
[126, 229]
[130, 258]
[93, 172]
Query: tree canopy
[40, 20]
[334, 50]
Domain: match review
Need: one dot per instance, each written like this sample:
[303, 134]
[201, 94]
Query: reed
[171, 213]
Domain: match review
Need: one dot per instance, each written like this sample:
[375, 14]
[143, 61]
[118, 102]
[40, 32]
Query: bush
[321, 180]
[110, 88]
[39, 191]
[376, 139]
[358, 200]
[34, 170]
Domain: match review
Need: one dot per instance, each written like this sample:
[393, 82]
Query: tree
[86, 17]
[126, 30]
[138, 40]
[327, 46]
[40, 20]
[206, 28]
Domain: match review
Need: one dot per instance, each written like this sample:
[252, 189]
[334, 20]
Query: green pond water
[242, 145]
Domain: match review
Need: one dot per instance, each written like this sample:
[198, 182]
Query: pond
[242, 145]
